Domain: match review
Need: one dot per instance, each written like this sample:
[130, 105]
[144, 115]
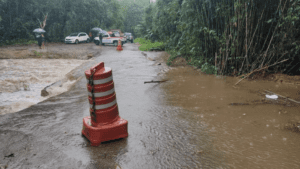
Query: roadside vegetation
[147, 45]
[227, 37]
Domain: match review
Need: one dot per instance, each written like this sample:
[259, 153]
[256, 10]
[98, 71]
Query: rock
[90, 55]
[149, 58]
[26, 87]
[44, 92]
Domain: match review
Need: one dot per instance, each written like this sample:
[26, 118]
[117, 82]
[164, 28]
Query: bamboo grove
[228, 37]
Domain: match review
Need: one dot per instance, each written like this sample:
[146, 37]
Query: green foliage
[228, 33]
[38, 54]
[173, 55]
[209, 69]
[196, 61]
[147, 45]
[20, 18]
[139, 40]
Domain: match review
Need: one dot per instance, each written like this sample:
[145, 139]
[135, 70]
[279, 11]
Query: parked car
[129, 36]
[109, 38]
[77, 37]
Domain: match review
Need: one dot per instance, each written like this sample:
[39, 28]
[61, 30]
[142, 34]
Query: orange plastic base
[98, 134]
[119, 48]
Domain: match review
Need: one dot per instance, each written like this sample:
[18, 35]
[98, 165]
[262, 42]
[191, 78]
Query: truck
[128, 36]
[108, 38]
[117, 30]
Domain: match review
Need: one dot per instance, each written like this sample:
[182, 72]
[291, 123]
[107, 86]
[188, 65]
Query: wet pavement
[185, 122]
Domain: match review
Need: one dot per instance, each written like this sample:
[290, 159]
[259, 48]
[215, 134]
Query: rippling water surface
[248, 136]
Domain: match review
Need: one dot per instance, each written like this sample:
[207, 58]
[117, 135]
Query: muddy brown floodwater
[192, 120]
[249, 131]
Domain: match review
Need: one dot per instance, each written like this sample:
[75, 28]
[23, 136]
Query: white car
[77, 37]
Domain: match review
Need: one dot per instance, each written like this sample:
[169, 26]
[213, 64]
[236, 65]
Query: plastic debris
[272, 96]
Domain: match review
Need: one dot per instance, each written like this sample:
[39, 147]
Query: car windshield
[73, 34]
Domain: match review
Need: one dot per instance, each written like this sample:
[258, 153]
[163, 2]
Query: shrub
[208, 69]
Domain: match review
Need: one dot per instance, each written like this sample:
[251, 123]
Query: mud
[185, 122]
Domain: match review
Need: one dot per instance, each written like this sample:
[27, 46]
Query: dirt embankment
[50, 51]
[262, 75]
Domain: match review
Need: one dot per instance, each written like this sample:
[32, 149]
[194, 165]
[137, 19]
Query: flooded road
[249, 135]
[186, 122]
[22, 80]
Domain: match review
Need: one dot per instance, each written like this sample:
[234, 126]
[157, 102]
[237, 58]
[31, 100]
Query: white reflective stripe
[104, 106]
[107, 69]
[102, 81]
[101, 94]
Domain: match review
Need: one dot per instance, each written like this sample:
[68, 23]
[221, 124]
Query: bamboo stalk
[270, 29]
[216, 59]
[265, 55]
[246, 35]
[257, 70]
[256, 28]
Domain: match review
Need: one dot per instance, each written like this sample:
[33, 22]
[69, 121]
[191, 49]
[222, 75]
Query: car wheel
[97, 43]
[88, 40]
[103, 44]
[76, 42]
[115, 43]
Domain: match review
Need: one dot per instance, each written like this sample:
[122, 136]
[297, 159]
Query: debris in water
[272, 96]
[11, 155]
[44, 92]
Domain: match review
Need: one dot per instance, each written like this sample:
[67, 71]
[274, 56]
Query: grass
[147, 45]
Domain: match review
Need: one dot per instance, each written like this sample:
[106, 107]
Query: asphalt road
[48, 134]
